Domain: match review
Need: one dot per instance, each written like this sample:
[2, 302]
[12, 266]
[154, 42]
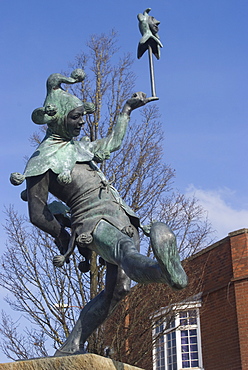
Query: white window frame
[194, 305]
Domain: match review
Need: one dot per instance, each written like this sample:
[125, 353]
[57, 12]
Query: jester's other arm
[39, 213]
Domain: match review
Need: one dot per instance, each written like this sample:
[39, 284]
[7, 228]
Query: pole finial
[148, 26]
[150, 41]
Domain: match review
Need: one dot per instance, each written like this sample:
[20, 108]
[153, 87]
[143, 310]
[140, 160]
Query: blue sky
[201, 80]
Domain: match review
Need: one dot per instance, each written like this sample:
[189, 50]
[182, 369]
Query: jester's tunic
[91, 198]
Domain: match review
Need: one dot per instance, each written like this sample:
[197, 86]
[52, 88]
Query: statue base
[76, 362]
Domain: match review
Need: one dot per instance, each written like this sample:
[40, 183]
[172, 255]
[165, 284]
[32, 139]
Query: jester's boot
[164, 247]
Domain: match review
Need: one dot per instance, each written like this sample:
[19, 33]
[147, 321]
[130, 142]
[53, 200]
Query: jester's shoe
[164, 247]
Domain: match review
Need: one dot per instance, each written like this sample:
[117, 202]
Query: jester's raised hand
[139, 99]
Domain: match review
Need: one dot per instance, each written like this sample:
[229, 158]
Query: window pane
[183, 322]
[192, 321]
[172, 367]
[185, 348]
[193, 332]
[184, 340]
[193, 339]
[193, 348]
[172, 323]
[183, 314]
[183, 318]
[192, 317]
[184, 333]
[185, 364]
[194, 363]
[194, 356]
[185, 356]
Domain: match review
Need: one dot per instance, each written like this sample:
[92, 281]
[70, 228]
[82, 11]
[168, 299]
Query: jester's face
[74, 121]
[153, 24]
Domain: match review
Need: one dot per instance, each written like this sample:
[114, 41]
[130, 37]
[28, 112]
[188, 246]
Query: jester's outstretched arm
[114, 140]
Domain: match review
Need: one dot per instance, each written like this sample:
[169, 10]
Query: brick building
[224, 308]
[208, 326]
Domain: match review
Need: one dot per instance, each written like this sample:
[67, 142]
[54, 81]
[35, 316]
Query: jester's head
[59, 103]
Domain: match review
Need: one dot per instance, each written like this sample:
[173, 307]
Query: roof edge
[237, 232]
[219, 242]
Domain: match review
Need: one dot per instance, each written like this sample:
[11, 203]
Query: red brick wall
[239, 248]
[219, 329]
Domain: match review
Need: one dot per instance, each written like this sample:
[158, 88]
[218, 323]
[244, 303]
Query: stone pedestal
[80, 362]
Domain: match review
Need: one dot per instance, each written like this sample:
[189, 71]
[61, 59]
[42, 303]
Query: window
[178, 344]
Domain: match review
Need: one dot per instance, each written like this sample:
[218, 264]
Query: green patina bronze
[148, 26]
[100, 220]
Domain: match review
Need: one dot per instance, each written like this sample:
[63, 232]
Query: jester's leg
[95, 312]
[122, 288]
[116, 247]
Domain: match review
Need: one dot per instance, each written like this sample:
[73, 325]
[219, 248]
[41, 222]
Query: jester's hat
[58, 102]
[57, 105]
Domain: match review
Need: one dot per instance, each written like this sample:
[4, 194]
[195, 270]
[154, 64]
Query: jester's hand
[137, 100]
[58, 260]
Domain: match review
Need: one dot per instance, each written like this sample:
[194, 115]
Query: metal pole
[151, 71]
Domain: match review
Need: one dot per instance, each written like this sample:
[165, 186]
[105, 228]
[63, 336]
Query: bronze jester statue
[100, 220]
